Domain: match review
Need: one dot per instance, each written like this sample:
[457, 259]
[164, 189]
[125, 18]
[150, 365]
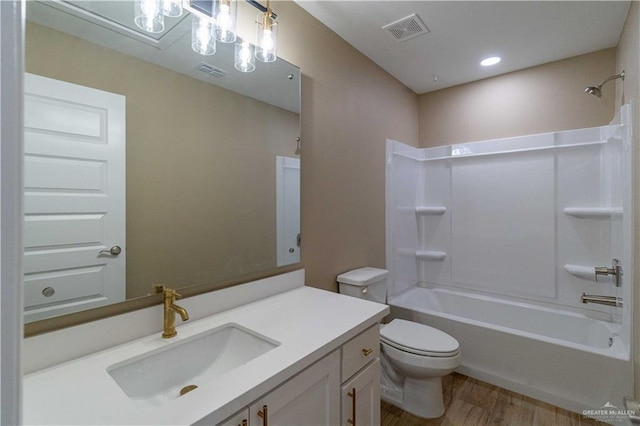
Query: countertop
[309, 323]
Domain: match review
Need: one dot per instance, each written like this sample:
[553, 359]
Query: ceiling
[461, 33]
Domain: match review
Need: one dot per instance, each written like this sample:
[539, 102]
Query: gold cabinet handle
[352, 394]
[263, 414]
[367, 352]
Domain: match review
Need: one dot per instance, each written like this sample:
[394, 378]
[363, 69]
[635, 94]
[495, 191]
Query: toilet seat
[419, 339]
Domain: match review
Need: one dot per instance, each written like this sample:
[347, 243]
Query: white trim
[11, 112]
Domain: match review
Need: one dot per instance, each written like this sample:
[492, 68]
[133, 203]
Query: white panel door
[74, 197]
[288, 210]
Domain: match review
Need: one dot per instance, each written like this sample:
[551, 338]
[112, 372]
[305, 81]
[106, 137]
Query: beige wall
[628, 58]
[200, 181]
[349, 107]
[541, 99]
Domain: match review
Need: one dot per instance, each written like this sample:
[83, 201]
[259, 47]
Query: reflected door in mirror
[74, 197]
[288, 209]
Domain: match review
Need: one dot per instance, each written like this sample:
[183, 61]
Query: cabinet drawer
[359, 351]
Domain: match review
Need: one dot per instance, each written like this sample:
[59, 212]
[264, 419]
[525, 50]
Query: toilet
[414, 356]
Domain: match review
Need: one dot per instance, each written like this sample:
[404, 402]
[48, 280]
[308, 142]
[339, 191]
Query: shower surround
[495, 242]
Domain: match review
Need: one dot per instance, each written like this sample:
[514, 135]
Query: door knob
[114, 251]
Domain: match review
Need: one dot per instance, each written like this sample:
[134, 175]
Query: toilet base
[422, 398]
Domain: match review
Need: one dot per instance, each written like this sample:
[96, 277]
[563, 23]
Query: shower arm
[613, 77]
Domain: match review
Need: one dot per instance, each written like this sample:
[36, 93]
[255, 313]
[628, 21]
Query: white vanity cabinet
[312, 397]
[323, 394]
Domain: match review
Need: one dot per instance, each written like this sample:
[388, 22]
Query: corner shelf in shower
[592, 212]
[430, 255]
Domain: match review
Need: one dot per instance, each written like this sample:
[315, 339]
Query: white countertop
[309, 323]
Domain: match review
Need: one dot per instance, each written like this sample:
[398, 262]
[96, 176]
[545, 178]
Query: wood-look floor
[474, 403]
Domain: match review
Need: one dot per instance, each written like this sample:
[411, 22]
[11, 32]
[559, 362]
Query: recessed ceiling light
[487, 62]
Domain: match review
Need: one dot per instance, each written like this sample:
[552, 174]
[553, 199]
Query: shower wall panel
[404, 175]
[503, 223]
[526, 218]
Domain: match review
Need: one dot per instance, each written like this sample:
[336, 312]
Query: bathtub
[564, 358]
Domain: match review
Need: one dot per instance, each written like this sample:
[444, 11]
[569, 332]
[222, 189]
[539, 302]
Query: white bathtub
[563, 358]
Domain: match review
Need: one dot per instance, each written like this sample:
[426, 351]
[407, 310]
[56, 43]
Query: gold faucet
[170, 309]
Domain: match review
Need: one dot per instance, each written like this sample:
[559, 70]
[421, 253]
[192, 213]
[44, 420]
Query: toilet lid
[418, 338]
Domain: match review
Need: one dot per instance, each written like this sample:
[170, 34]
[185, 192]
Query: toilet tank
[365, 283]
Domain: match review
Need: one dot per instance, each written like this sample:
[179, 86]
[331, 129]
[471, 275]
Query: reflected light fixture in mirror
[244, 59]
[202, 40]
[267, 36]
[172, 8]
[225, 13]
[148, 16]
[214, 20]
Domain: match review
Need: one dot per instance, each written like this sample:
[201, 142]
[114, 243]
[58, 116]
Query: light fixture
[267, 36]
[172, 8]
[202, 39]
[487, 62]
[225, 12]
[148, 15]
[244, 59]
[215, 20]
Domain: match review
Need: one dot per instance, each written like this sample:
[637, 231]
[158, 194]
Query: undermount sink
[169, 372]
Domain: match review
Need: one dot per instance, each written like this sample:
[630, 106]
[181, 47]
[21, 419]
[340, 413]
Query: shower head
[594, 90]
[597, 90]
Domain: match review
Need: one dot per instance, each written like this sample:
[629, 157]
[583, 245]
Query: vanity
[268, 352]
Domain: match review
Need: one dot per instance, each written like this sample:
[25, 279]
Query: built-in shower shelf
[430, 255]
[588, 212]
[580, 271]
[430, 210]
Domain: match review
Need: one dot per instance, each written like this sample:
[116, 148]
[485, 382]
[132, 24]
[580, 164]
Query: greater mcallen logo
[609, 413]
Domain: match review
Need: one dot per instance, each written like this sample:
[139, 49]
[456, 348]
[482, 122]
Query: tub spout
[601, 300]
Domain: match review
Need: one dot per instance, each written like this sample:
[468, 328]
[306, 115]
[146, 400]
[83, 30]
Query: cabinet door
[361, 397]
[239, 419]
[309, 398]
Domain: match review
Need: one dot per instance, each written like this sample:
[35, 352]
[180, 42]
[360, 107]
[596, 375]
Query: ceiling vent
[210, 69]
[406, 28]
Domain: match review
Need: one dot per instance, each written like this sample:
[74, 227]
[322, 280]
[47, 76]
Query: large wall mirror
[147, 163]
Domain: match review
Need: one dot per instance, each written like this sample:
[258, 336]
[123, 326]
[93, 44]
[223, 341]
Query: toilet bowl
[414, 356]
[421, 355]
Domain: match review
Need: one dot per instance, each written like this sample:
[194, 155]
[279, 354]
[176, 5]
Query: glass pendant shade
[225, 13]
[148, 15]
[244, 59]
[172, 8]
[267, 37]
[202, 39]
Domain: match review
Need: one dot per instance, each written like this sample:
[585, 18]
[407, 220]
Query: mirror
[148, 163]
